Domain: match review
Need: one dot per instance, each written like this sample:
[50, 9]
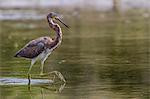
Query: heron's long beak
[61, 22]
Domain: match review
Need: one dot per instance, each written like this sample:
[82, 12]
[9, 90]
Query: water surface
[102, 56]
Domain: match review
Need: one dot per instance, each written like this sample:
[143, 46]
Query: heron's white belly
[44, 55]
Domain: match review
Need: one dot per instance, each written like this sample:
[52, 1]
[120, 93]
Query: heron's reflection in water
[52, 88]
[53, 76]
[55, 88]
[56, 83]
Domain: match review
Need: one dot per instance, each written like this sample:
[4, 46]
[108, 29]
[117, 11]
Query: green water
[102, 56]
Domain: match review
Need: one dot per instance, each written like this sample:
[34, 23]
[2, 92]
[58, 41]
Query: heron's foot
[41, 74]
[59, 75]
[54, 74]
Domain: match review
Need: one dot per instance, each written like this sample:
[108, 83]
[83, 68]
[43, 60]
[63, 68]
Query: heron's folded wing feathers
[31, 50]
[34, 47]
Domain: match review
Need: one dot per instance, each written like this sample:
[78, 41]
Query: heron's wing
[33, 48]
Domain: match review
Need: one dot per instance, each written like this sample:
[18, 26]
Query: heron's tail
[17, 54]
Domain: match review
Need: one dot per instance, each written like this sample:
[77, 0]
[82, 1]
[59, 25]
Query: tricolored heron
[41, 48]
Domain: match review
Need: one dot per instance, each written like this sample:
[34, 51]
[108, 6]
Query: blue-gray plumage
[41, 48]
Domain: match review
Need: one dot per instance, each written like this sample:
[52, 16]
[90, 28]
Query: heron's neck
[57, 29]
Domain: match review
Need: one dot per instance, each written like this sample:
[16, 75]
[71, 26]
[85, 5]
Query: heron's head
[55, 16]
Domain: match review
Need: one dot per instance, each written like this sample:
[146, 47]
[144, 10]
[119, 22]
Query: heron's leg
[42, 65]
[32, 63]
[29, 76]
